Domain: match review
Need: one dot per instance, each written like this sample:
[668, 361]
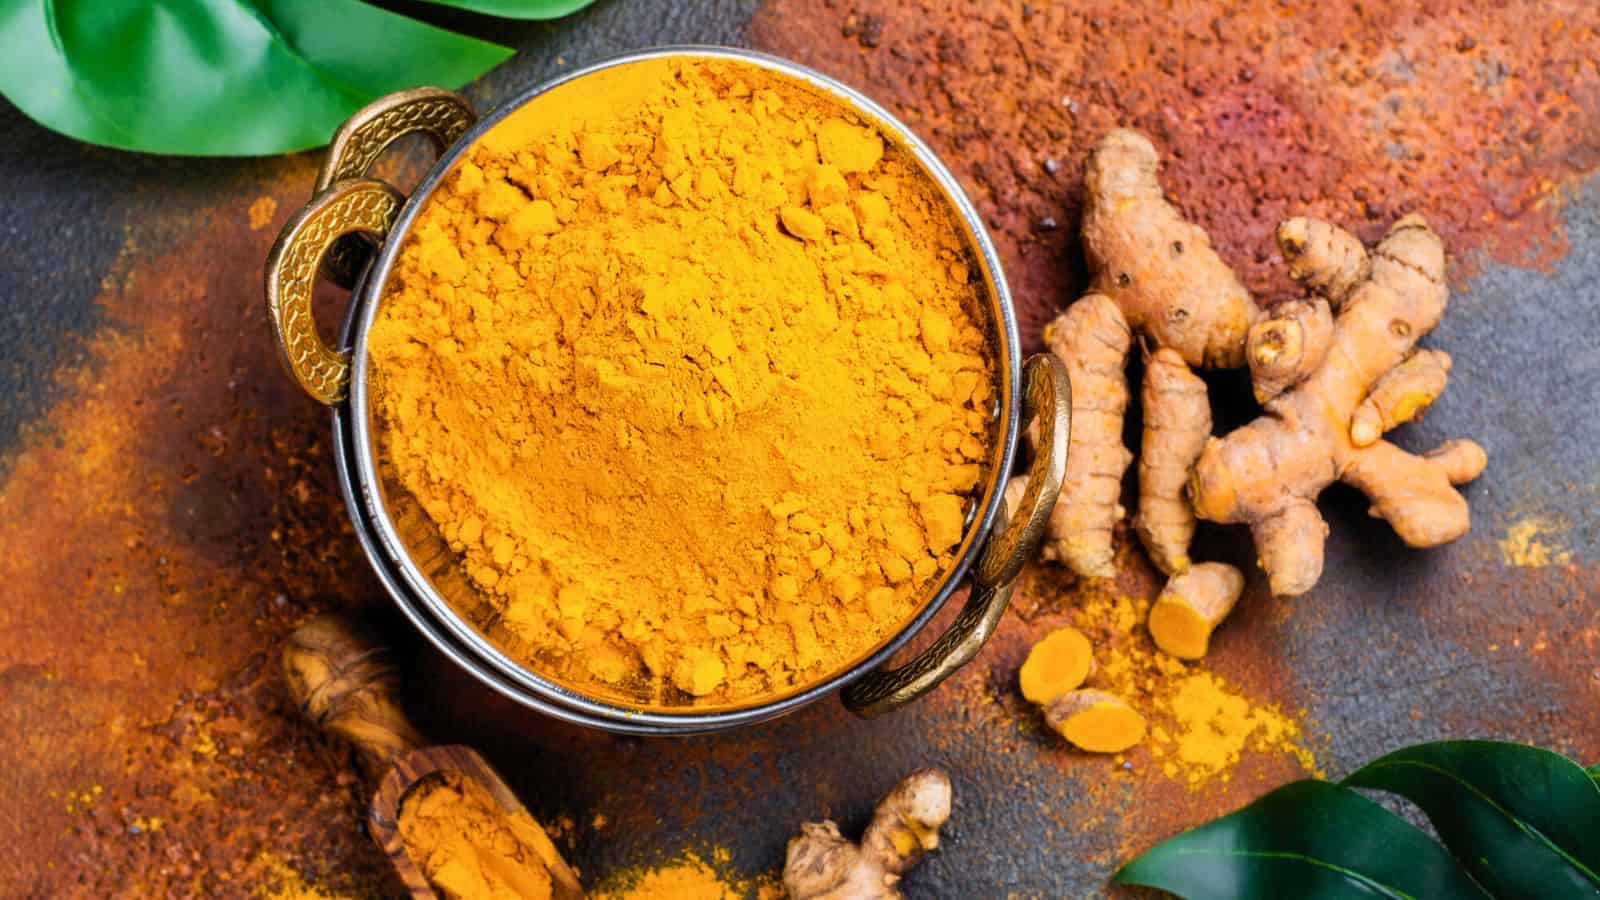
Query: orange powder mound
[469, 848]
[1213, 726]
[1200, 726]
[689, 877]
[689, 365]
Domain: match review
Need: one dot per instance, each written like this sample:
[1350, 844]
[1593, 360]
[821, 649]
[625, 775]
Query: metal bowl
[411, 560]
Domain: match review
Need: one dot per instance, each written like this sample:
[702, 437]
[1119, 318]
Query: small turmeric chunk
[803, 223]
[1191, 607]
[1288, 346]
[850, 148]
[1325, 258]
[872, 209]
[1059, 663]
[535, 218]
[826, 186]
[1095, 721]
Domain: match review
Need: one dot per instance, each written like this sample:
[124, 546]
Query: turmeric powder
[689, 363]
[469, 848]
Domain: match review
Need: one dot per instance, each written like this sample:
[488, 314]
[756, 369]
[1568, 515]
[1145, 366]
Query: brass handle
[443, 116]
[348, 216]
[363, 205]
[346, 683]
[1049, 396]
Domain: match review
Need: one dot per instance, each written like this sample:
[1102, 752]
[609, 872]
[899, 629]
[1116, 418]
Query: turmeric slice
[1096, 721]
[1060, 662]
[1191, 607]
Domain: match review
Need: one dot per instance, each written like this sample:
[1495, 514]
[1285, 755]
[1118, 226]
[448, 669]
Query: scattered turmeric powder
[1212, 727]
[281, 881]
[1198, 726]
[688, 362]
[1534, 542]
[469, 848]
[690, 876]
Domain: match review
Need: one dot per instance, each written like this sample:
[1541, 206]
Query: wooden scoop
[346, 683]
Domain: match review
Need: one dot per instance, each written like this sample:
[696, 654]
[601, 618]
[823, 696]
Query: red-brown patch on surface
[174, 518]
[1555, 646]
[1474, 114]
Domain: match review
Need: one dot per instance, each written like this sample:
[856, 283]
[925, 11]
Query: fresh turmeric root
[1290, 345]
[1092, 339]
[1159, 268]
[1177, 422]
[1191, 607]
[1095, 721]
[1324, 424]
[1156, 274]
[1400, 395]
[822, 865]
[1060, 662]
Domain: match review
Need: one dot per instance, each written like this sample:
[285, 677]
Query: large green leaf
[1524, 821]
[519, 9]
[217, 77]
[1594, 772]
[1307, 839]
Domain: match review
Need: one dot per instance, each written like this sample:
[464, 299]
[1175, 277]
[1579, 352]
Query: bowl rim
[462, 641]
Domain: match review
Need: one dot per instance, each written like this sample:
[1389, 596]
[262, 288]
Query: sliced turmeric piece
[1191, 607]
[1096, 721]
[1060, 662]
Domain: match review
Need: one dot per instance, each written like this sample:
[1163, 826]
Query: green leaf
[218, 77]
[518, 9]
[1309, 839]
[1524, 822]
[1594, 772]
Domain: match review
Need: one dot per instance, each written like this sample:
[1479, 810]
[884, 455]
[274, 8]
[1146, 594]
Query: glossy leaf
[218, 77]
[1309, 839]
[518, 9]
[1524, 822]
[1594, 773]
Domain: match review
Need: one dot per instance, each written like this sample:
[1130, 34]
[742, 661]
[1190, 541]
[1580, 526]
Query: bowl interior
[411, 544]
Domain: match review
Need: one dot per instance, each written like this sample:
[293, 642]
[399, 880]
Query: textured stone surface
[167, 495]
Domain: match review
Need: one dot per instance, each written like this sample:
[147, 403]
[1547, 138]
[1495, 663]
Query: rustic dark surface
[167, 503]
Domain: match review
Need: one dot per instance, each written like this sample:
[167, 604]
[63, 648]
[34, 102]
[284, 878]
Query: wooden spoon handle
[347, 684]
